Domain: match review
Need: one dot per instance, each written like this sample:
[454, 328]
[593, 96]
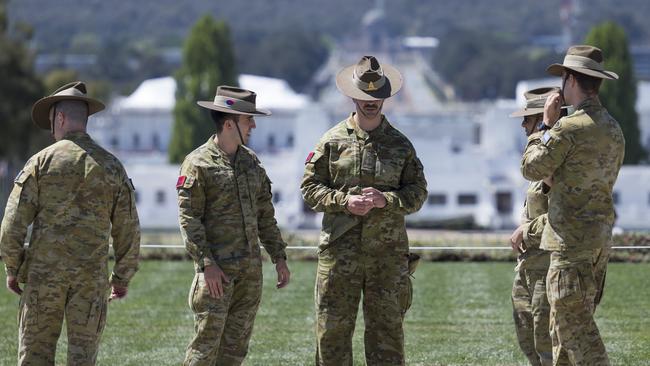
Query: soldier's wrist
[279, 257]
[117, 281]
[11, 272]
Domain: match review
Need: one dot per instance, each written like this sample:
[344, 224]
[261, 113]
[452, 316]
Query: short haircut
[74, 110]
[588, 84]
[219, 118]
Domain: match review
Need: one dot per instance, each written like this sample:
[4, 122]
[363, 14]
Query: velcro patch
[185, 181]
[20, 173]
[308, 160]
[181, 180]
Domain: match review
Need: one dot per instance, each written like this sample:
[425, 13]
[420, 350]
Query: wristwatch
[543, 126]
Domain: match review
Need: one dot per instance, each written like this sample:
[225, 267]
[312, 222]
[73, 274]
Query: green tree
[208, 61]
[619, 97]
[19, 89]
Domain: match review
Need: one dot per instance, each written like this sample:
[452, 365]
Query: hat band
[581, 61]
[368, 87]
[234, 104]
[536, 103]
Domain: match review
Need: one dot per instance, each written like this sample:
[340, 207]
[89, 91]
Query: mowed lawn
[461, 316]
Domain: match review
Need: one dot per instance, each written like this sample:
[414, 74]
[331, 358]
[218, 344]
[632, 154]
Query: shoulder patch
[20, 174]
[184, 181]
[308, 160]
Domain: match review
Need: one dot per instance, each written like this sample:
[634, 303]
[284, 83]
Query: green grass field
[461, 316]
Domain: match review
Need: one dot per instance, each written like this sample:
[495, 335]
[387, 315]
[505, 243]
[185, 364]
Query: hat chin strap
[241, 139]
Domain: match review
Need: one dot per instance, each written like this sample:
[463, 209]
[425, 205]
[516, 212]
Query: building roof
[159, 93]
[272, 93]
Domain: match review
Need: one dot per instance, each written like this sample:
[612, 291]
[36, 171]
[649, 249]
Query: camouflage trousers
[575, 284]
[531, 312]
[345, 273]
[80, 298]
[224, 326]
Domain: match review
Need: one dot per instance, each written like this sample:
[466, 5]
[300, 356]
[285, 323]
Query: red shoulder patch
[311, 155]
[181, 180]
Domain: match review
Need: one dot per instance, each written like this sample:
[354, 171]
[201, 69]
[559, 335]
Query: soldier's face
[530, 123]
[369, 108]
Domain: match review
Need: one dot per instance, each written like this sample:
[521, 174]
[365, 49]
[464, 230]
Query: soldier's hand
[215, 279]
[283, 273]
[517, 239]
[552, 109]
[118, 292]
[13, 286]
[359, 205]
[378, 198]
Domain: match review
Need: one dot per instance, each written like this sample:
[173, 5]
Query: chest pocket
[222, 182]
[344, 162]
[389, 166]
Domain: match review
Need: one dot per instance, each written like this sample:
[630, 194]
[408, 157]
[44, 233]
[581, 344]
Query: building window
[504, 202]
[277, 196]
[271, 142]
[155, 142]
[648, 199]
[290, 140]
[136, 141]
[437, 199]
[616, 198]
[137, 197]
[477, 134]
[115, 143]
[160, 197]
[467, 199]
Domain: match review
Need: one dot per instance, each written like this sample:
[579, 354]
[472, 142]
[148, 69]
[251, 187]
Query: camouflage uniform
[529, 303]
[225, 209]
[76, 194]
[583, 152]
[362, 254]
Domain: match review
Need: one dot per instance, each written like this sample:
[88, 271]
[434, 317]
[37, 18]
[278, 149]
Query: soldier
[225, 209]
[76, 195]
[583, 152]
[365, 176]
[529, 302]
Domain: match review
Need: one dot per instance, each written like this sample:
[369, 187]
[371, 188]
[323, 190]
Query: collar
[76, 136]
[217, 152]
[591, 102]
[362, 134]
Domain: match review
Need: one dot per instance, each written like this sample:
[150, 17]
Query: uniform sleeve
[126, 235]
[269, 232]
[545, 152]
[21, 210]
[533, 231]
[191, 214]
[412, 193]
[316, 184]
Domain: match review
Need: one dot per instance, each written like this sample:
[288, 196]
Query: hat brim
[557, 69]
[210, 105]
[41, 109]
[531, 111]
[392, 85]
[527, 112]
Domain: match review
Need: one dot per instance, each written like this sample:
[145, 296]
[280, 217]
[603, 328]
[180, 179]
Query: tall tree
[619, 97]
[19, 89]
[208, 61]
